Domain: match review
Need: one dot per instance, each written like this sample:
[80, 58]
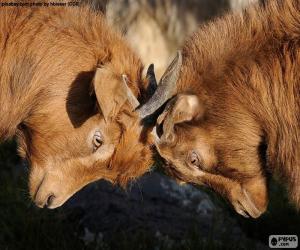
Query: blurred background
[154, 212]
[157, 28]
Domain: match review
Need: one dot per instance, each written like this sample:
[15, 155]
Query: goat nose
[49, 200]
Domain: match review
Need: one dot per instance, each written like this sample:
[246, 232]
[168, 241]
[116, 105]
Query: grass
[23, 226]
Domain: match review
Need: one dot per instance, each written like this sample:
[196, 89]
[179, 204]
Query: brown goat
[236, 113]
[64, 92]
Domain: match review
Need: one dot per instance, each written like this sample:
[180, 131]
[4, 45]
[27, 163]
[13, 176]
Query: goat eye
[97, 140]
[194, 159]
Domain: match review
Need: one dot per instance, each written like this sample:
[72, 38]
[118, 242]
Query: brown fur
[48, 58]
[244, 68]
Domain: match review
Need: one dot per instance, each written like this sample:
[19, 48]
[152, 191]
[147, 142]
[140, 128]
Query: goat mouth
[246, 207]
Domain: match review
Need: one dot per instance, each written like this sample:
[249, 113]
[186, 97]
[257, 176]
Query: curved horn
[165, 90]
[131, 98]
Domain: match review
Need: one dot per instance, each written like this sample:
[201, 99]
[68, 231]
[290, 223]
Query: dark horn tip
[152, 80]
[150, 68]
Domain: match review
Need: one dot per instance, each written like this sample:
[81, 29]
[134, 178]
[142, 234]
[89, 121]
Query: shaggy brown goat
[236, 113]
[64, 92]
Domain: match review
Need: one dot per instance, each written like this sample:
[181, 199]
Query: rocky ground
[158, 205]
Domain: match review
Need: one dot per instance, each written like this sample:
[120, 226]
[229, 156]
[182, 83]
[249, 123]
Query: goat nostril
[49, 200]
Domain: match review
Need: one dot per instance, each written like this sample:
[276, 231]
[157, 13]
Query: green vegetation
[22, 226]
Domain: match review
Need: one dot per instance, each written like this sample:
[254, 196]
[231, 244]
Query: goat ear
[181, 108]
[112, 92]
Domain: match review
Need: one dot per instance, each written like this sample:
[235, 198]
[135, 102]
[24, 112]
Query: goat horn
[152, 80]
[150, 90]
[131, 98]
[165, 90]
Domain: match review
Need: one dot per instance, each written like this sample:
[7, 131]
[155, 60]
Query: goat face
[205, 139]
[93, 135]
[201, 150]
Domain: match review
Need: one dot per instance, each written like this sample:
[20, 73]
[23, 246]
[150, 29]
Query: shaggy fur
[48, 58]
[244, 68]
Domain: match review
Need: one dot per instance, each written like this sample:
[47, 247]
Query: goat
[233, 107]
[68, 91]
